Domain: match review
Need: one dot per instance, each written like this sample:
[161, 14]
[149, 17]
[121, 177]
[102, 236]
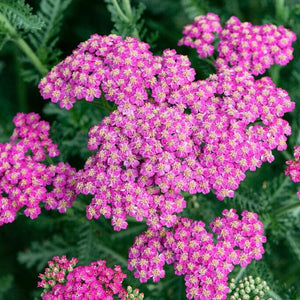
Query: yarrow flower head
[201, 34]
[25, 181]
[169, 133]
[253, 47]
[56, 272]
[63, 280]
[124, 70]
[193, 253]
[293, 167]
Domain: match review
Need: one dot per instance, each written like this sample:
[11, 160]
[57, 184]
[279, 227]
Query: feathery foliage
[20, 17]
[44, 41]
[38, 254]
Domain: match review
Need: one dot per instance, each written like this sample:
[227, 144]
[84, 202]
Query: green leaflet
[19, 14]
[44, 41]
[39, 253]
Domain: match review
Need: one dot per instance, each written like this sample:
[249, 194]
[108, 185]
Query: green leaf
[294, 242]
[51, 12]
[85, 244]
[39, 253]
[19, 14]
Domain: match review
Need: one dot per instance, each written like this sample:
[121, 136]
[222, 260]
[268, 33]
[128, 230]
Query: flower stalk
[22, 44]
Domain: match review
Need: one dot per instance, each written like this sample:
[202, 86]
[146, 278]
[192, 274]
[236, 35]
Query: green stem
[23, 46]
[280, 212]
[282, 11]
[133, 220]
[49, 160]
[240, 274]
[120, 12]
[126, 16]
[31, 55]
[127, 8]
[102, 105]
[135, 33]
[286, 155]
[209, 60]
[122, 261]
[274, 295]
[285, 209]
[281, 187]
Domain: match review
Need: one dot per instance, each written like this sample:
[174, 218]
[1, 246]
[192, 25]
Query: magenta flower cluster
[293, 167]
[64, 280]
[194, 254]
[252, 47]
[25, 181]
[167, 134]
[201, 34]
[56, 272]
[147, 155]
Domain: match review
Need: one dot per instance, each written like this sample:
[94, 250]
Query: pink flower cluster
[147, 155]
[293, 168]
[170, 133]
[25, 181]
[191, 249]
[123, 69]
[253, 47]
[62, 281]
[201, 34]
[56, 272]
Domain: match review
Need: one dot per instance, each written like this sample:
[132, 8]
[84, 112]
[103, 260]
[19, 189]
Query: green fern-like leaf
[85, 244]
[280, 187]
[126, 28]
[39, 253]
[44, 41]
[111, 255]
[247, 198]
[293, 240]
[19, 14]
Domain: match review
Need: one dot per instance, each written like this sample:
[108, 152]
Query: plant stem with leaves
[23, 45]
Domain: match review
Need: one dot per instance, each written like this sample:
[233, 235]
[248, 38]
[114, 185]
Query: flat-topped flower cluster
[194, 254]
[25, 180]
[171, 133]
[254, 47]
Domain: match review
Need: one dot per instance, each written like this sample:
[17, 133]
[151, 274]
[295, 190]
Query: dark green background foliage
[26, 245]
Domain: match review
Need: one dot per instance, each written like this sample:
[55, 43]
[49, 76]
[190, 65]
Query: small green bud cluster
[248, 288]
[134, 294]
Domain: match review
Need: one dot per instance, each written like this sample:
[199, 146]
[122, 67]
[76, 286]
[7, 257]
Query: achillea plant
[167, 135]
